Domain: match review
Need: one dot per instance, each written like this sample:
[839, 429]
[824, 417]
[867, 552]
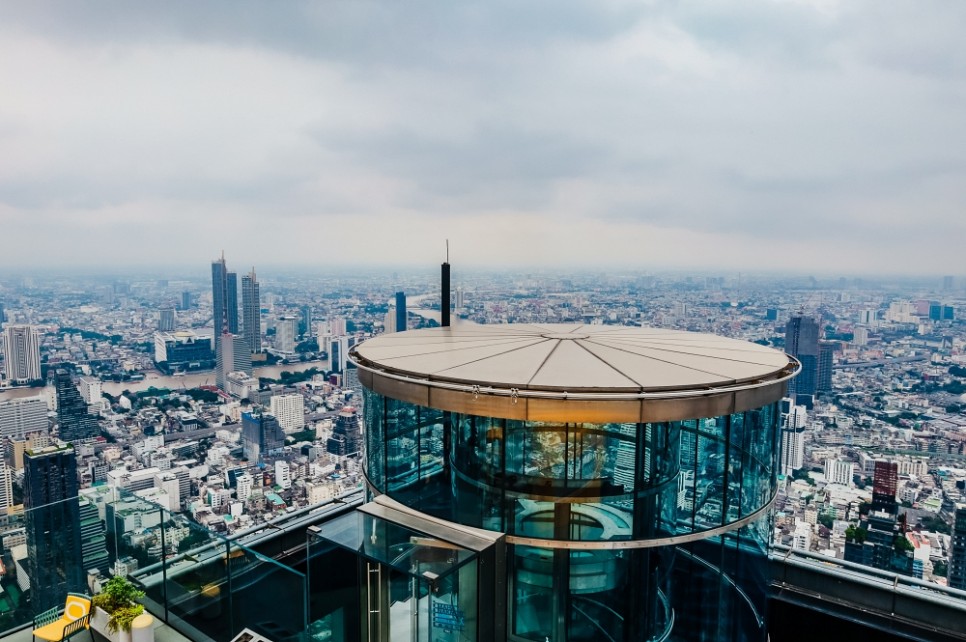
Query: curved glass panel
[573, 481]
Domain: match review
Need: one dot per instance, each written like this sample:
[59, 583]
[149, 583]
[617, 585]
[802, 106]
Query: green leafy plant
[118, 597]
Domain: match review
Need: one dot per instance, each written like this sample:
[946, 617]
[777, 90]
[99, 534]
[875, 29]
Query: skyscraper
[166, 320]
[289, 410]
[21, 352]
[285, 334]
[52, 525]
[346, 439]
[885, 481]
[338, 350]
[801, 341]
[75, 423]
[793, 420]
[305, 320]
[233, 355]
[251, 312]
[401, 319]
[261, 435]
[186, 300]
[93, 540]
[826, 352]
[224, 299]
[957, 559]
[6, 486]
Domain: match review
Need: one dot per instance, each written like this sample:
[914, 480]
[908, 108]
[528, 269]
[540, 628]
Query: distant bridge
[878, 363]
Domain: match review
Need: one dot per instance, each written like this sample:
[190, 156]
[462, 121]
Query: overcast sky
[816, 136]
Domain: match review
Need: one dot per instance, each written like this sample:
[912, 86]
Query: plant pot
[142, 629]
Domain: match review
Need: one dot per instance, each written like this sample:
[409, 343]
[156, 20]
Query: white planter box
[142, 629]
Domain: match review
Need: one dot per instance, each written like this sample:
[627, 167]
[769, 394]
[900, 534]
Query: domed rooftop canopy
[567, 362]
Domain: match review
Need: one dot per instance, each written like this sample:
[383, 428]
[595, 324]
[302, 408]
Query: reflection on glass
[624, 481]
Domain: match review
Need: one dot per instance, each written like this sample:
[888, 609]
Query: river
[414, 301]
[175, 382]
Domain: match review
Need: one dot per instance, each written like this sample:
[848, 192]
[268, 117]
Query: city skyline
[813, 137]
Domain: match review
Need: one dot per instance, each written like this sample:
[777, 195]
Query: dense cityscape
[127, 380]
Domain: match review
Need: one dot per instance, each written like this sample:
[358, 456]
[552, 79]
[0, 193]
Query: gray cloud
[739, 123]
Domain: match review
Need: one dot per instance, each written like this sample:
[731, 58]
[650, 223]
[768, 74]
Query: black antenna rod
[444, 295]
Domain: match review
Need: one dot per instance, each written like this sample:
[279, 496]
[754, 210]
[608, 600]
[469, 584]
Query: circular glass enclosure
[612, 458]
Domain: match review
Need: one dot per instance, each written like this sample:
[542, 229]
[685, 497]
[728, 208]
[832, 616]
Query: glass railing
[197, 581]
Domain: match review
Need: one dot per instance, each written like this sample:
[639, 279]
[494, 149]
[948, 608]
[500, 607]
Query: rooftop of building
[572, 357]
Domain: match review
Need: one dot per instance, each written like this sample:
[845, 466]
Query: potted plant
[117, 614]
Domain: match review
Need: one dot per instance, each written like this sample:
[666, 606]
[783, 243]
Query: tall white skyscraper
[389, 323]
[233, 356]
[6, 487]
[285, 334]
[338, 326]
[90, 389]
[793, 421]
[289, 410]
[21, 353]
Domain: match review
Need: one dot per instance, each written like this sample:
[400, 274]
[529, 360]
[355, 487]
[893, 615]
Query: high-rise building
[224, 299]
[460, 295]
[401, 318]
[285, 334]
[338, 350]
[839, 471]
[956, 575]
[941, 312]
[948, 283]
[21, 353]
[793, 421]
[52, 525]
[885, 482]
[3, 316]
[74, 421]
[283, 474]
[346, 439]
[251, 312]
[801, 341]
[389, 322]
[6, 486]
[93, 539]
[183, 350]
[867, 317]
[289, 410]
[91, 390]
[338, 326]
[233, 355]
[305, 321]
[166, 320]
[20, 417]
[186, 300]
[826, 353]
[261, 435]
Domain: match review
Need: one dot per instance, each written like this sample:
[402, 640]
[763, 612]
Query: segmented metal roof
[571, 357]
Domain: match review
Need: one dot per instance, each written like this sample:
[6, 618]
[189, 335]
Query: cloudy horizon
[803, 136]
